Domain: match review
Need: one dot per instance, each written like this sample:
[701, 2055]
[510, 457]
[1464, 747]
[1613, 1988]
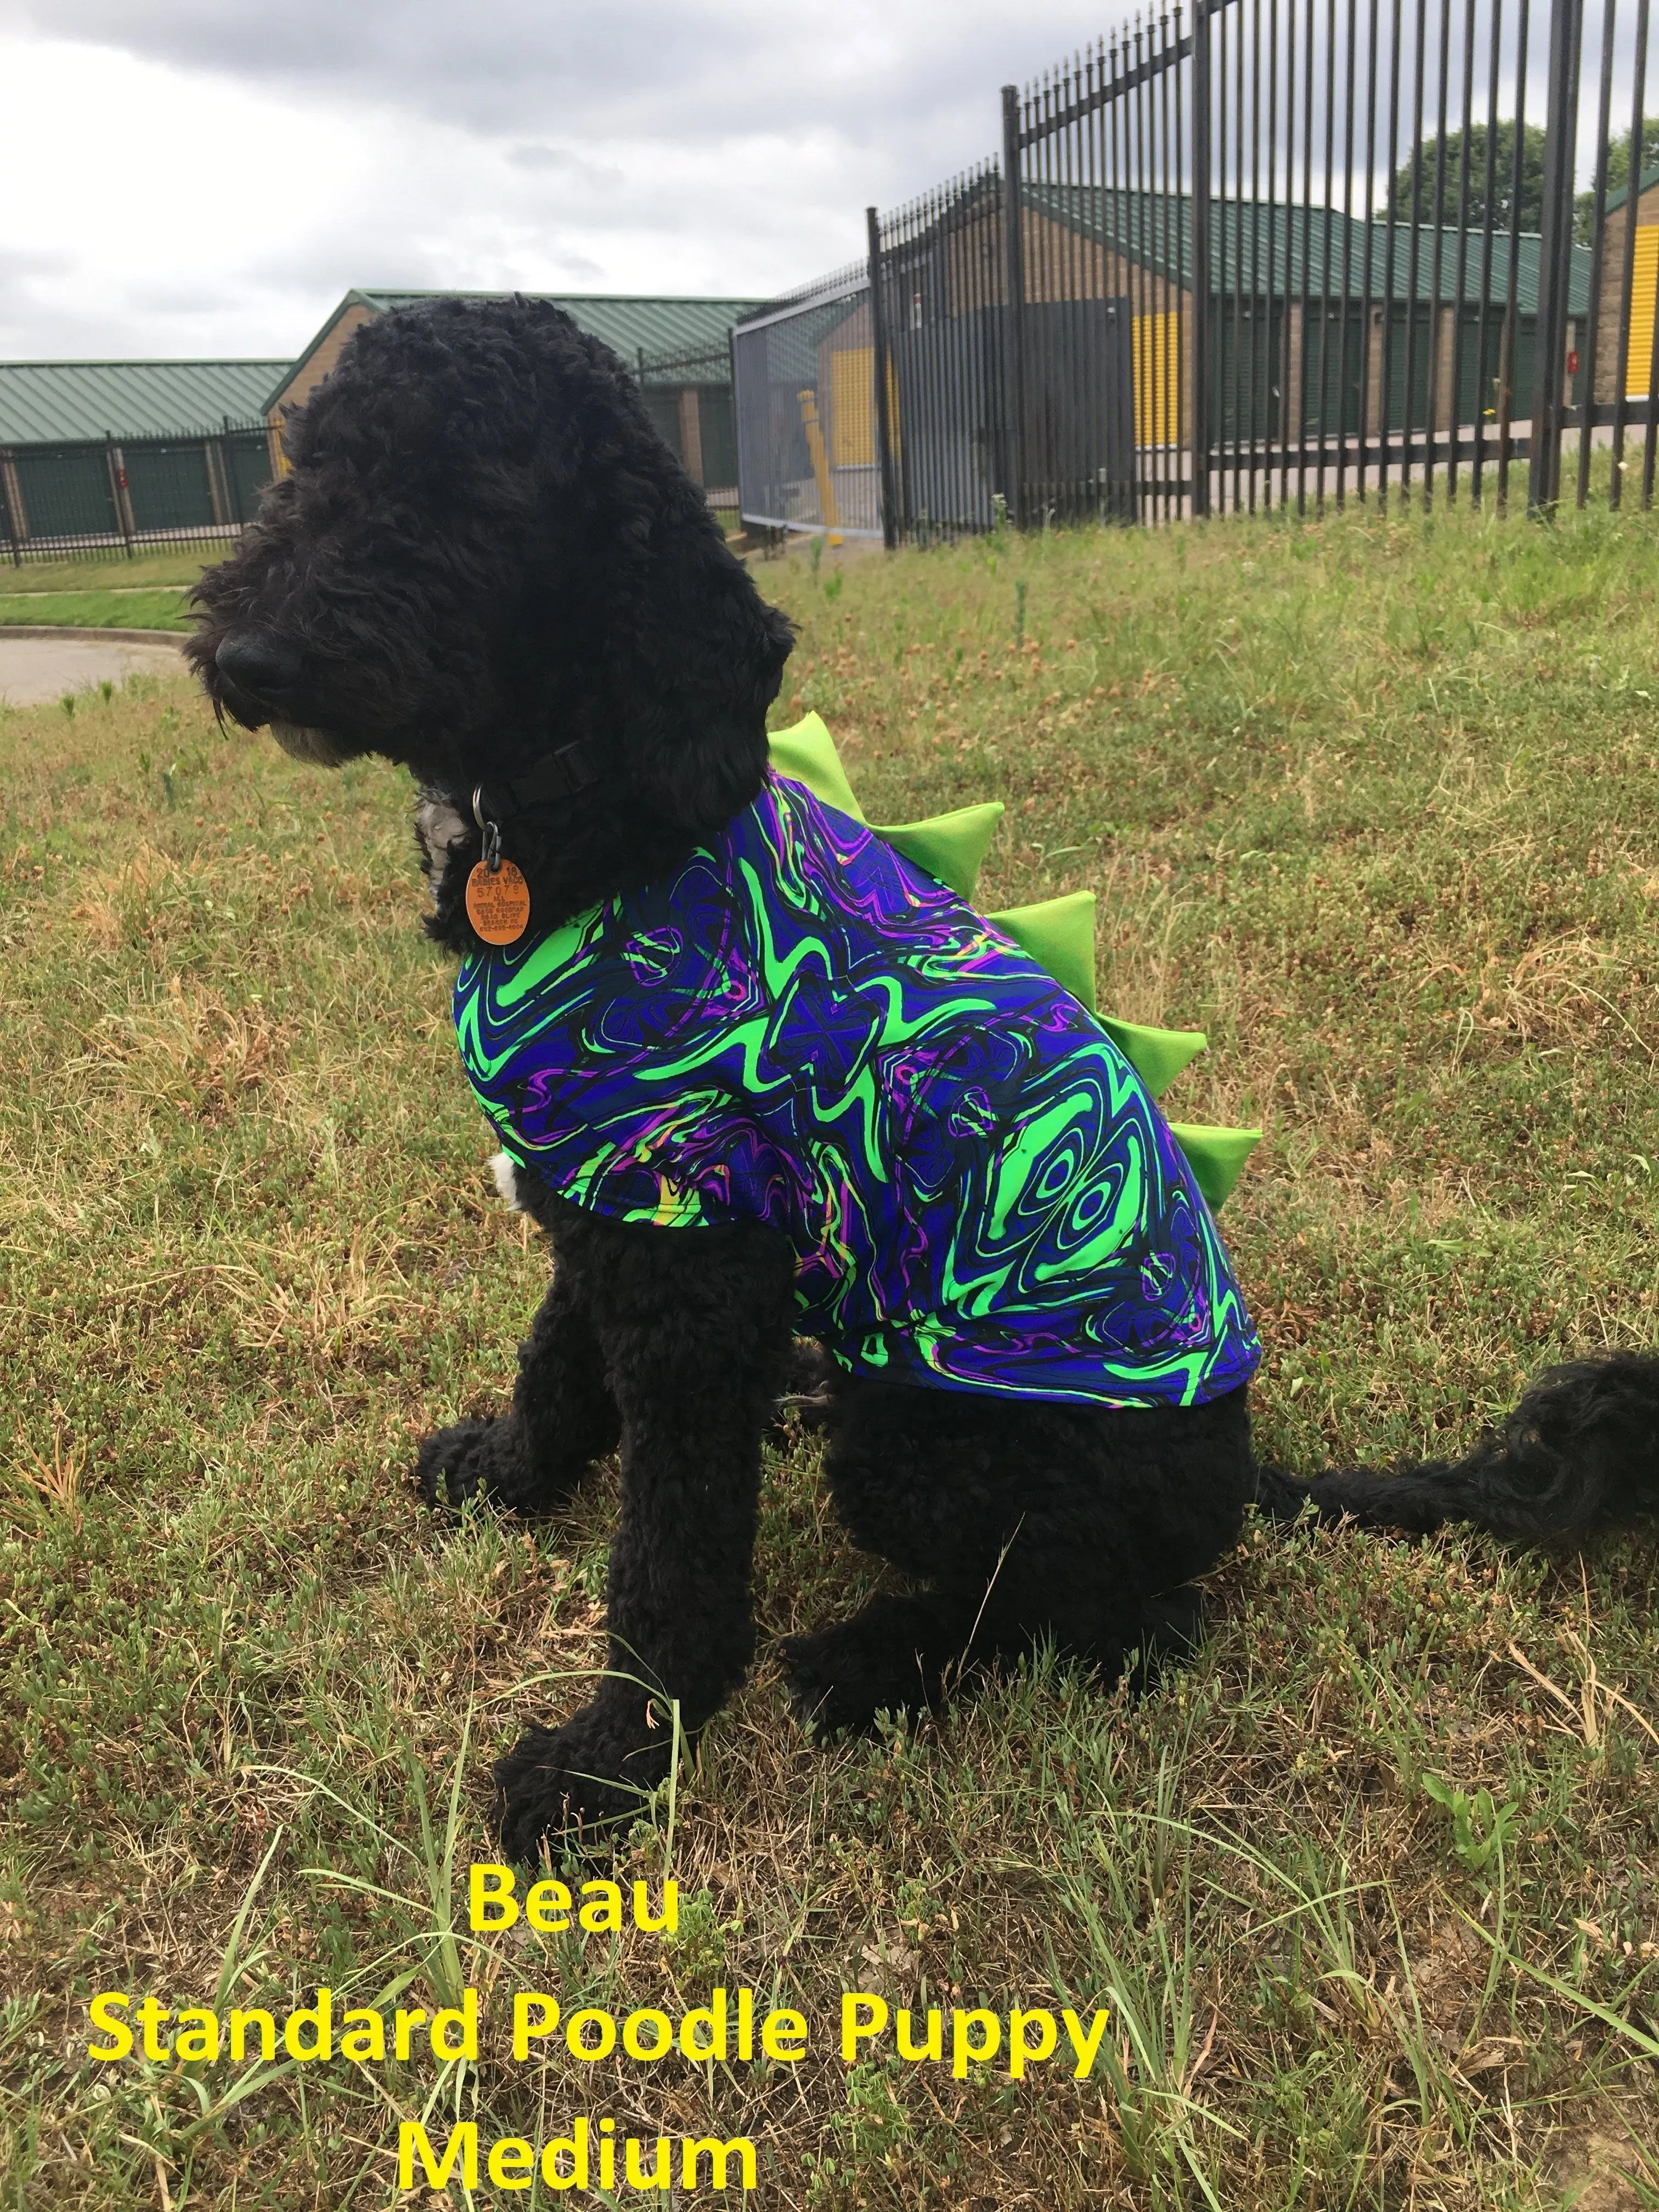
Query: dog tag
[498, 906]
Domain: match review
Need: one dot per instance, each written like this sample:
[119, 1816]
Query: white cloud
[201, 176]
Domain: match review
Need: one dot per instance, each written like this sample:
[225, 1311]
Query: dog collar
[560, 775]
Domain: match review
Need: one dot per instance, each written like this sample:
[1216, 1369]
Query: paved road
[33, 669]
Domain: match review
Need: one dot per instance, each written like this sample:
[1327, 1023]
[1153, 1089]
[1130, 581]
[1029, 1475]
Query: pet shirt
[803, 1027]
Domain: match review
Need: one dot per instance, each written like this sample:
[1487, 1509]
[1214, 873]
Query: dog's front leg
[562, 1418]
[694, 1326]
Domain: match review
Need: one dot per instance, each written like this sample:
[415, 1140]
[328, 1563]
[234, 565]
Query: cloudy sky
[206, 177]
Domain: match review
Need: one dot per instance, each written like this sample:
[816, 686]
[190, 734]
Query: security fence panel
[941, 386]
[58, 502]
[1616, 341]
[1099, 243]
[937, 282]
[1404, 274]
[1256, 253]
[807, 440]
[689, 399]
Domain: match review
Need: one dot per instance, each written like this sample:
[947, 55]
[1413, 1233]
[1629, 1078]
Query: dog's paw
[1171, 1630]
[580, 1787]
[470, 1459]
[840, 1677]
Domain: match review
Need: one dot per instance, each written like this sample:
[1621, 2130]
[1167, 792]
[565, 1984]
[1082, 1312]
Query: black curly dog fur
[483, 553]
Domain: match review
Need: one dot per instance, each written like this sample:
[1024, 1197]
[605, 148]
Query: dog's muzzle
[314, 746]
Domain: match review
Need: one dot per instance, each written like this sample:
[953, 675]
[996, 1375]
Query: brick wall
[1608, 365]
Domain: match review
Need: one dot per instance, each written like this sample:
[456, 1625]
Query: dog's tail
[1579, 1454]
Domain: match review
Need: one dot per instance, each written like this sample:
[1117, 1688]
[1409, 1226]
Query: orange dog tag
[498, 906]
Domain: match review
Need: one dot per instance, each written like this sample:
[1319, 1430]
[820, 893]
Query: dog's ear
[688, 655]
[698, 658]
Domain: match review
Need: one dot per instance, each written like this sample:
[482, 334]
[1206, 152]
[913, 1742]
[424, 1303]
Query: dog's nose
[260, 666]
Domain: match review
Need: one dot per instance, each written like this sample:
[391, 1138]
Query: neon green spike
[1059, 935]
[1156, 1056]
[807, 754]
[949, 846]
[1217, 1156]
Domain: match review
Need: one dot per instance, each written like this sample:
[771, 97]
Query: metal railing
[688, 396]
[1240, 255]
[93, 497]
[808, 454]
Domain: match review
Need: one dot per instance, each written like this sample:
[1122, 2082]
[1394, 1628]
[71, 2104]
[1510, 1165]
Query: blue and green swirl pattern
[802, 1027]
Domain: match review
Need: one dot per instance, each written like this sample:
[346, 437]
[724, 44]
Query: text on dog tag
[498, 906]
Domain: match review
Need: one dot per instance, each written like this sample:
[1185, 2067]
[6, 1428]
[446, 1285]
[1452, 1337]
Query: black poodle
[484, 563]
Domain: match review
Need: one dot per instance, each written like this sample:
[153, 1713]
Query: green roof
[49, 402]
[653, 324]
[1621, 193]
[1279, 251]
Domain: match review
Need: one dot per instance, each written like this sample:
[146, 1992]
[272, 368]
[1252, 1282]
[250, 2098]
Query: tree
[1405, 206]
[1617, 173]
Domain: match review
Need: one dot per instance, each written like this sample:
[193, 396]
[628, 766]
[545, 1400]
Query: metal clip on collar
[492, 833]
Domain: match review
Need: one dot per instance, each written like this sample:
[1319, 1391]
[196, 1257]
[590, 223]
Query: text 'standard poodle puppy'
[759, 1076]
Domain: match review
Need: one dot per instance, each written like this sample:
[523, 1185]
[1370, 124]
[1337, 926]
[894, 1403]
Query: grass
[146, 593]
[1370, 1886]
[163, 610]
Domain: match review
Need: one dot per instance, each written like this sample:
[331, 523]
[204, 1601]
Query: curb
[94, 636]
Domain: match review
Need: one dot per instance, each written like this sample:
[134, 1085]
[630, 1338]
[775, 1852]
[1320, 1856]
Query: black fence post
[1199, 273]
[1555, 256]
[233, 482]
[14, 525]
[879, 359]
[1598, 252]
[1013, 247]
[115, 461]
[736, 425]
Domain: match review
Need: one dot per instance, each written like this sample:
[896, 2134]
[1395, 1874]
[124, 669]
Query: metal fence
[689, 399]
[113, 495]
[809, 447]
[1241, 255]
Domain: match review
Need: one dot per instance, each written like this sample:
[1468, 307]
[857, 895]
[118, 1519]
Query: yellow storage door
[1644, 278]
[1156, 343]
[852, 407]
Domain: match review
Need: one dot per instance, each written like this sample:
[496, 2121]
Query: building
[678, 347]
[1317, 315]
[1644, 282]
[1321, 327]
[1310, 308]
[115, 451]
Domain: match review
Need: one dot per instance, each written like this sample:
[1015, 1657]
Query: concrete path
[33, 669]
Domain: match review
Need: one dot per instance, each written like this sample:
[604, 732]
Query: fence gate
[1248, 253]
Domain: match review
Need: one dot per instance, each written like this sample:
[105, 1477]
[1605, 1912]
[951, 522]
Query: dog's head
[483, 553]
